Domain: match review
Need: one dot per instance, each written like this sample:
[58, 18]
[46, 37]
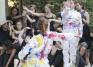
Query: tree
[41, 3]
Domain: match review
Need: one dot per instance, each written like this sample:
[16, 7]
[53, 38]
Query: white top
[72, 22]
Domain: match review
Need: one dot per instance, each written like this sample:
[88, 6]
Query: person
[56, 56]
[18, 36]
[85, 19]
[16, 30]
[32, 20]
[34, 47]
[28, 35]
[40, 45]
[5, 40]
[83, 57]
[72, 23]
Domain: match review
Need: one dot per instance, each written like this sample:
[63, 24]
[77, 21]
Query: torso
[70, 22]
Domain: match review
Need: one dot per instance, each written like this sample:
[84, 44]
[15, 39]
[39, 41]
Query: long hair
[16, 9]
[43, 24]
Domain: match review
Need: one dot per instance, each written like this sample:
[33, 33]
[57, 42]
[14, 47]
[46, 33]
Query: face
[66, 5]
[58, 44]
[14, 11]
[5, 26]
[19, 25]
[32, 9]
[78, 6]
[47, 9]
[72, 5]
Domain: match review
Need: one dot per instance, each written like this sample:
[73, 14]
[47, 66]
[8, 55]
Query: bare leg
[11, 57]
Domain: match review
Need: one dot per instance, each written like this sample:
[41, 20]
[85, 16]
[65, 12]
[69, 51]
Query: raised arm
[58, 20]
[36, 14]
[59, 36]
[31, 21]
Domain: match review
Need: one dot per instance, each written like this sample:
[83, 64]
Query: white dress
[72, 23]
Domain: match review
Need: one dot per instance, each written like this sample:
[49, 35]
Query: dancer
[72, 23]
[37, 49]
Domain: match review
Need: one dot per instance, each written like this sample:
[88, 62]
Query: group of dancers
[37, 42]
[35, 52]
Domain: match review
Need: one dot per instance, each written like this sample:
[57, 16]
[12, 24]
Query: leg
[66, 53]
[11, 56]
[73, 43]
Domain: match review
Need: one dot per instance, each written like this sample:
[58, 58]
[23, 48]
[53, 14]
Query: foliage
[56, 3]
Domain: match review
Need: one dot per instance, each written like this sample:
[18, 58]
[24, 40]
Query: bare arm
[87, 18]
[58, 20]
[80, 27]
[31, 21]
[17, 17]
[20, 16]
[36, 14]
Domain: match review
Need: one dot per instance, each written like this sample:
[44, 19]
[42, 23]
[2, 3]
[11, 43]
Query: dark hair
[82, 4]
[54, 42]
[16, 9]
[29, 32]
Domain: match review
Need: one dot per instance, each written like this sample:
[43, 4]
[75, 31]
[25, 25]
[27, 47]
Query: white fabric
[72, 23]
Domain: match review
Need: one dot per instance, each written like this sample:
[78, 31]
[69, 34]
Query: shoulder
[86, 13]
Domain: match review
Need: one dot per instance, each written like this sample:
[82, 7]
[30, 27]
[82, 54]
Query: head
[43, 24]
[79, 6]
[19, 25]
[14, 11]
[47, 8]
[5, 26]
[72, 4]
[57, 44]
[33, 8]
[66, 5]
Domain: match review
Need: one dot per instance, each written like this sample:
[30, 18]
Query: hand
[52, 66]
[24, 7]
[27, 28]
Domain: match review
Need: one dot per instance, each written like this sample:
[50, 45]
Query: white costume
[72, 23]
[40, 43]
